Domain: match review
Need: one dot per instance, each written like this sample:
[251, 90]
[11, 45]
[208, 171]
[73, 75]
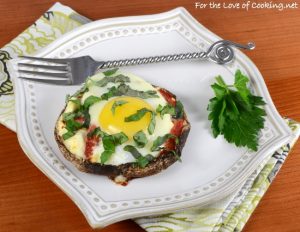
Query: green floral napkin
[55, 22]
[229, 214]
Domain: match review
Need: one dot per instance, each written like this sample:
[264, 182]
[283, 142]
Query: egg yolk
[114, 122]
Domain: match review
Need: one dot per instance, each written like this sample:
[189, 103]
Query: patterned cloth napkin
[229, 214]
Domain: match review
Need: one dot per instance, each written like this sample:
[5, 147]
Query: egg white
[163, 125]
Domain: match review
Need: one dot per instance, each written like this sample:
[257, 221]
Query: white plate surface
[210, 169]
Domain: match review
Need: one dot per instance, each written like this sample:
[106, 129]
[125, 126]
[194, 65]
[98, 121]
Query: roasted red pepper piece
[91, 142]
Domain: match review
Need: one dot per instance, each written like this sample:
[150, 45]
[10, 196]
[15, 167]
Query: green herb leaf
[149, 157]
[159, 108]
[142, 161]
[215, 107]
[220, 91]
[167, 109]
[76, 101]
[160, 140]
[240, 83]
[73, 125]
[175, 112]
[221, 82]
[236, 114]
[244, 130]
[222, 116]
[87, 118]
[111, 93]
[110, 72]
[179, 109]
[72, 121]
[140, 139]
[67, 135]
[97, 132]
[124, 89]
[109, 148]
[90, 101]
[120, 138]
[69, 115]
[112, 79]
[176, 155]
[152, 124]
[105, 155]
[134, 152]
[116, 104]
[138, 115]
[109, 143]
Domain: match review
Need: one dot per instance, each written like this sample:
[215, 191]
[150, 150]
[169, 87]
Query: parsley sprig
[236, 113]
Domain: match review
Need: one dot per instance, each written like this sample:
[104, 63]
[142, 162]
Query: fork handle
[220, 52]
[153, 59]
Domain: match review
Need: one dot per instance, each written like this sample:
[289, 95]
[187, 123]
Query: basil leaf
[179, 110]
[134, 152]
[116, 104]
[108, 143]
[142, 161]
[105, 155]
[126, 90]
[67, 135]
[97, 132]
[114, 79]
[176, 155]
[140, 139]
[159, 108]
[167, 109]
[111, 93]
[120, 138]
[152, 123]
[138, 115]
[68, 116]
[72, 125]
[87, 118]
[160, 140]
[176, 111]
[109, 148]
[149, 157]
[76, 102]
[90, 101]
[110, 72]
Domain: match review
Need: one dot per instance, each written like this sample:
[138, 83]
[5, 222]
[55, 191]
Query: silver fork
[74, 71]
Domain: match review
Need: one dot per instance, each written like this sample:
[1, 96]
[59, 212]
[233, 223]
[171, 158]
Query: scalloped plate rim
[55, 177]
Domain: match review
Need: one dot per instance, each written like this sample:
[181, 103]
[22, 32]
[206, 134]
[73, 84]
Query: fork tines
[45, 70]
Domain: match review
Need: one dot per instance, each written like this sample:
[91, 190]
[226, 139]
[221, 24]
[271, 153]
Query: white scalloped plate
[210, 169]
